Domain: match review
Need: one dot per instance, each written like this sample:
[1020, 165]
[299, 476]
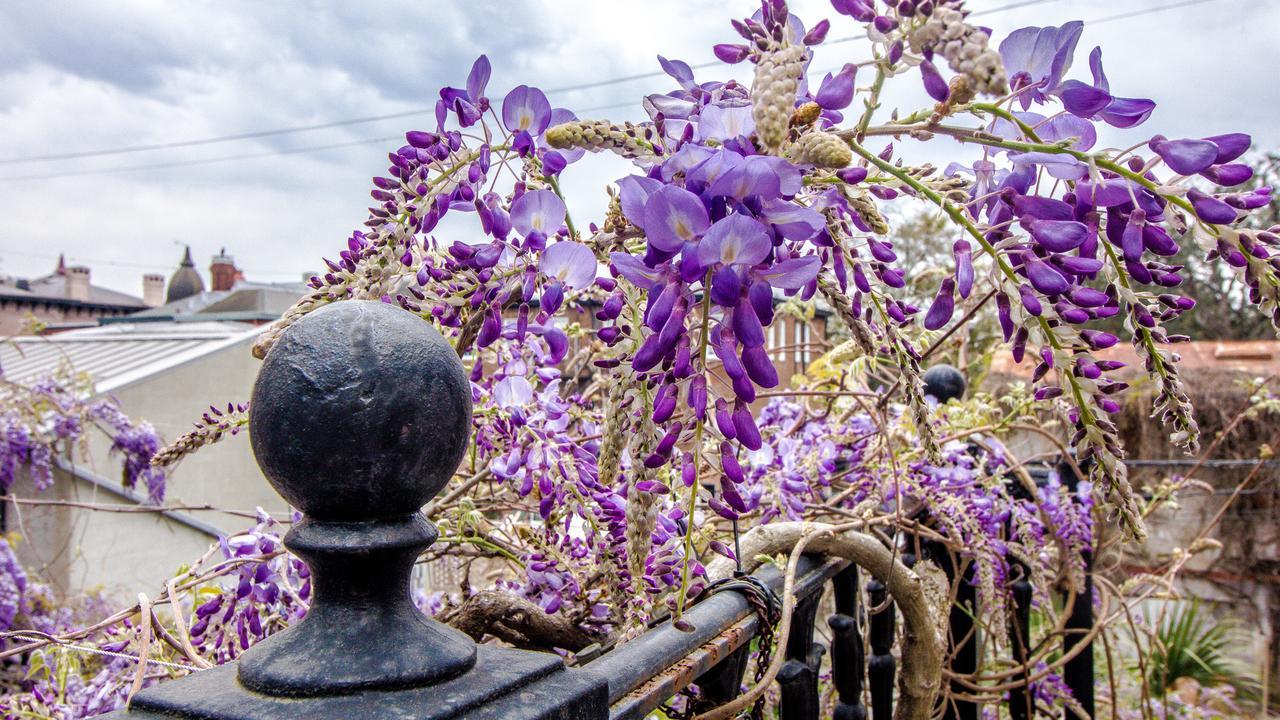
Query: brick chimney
[224, 271]
[78, 283]
[152, 289]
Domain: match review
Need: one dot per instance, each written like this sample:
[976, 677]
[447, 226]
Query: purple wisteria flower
[467, 104]
[1037, 59]
[527, 114]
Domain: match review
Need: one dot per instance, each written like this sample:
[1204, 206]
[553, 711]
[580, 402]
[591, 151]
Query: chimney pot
[153, 289]
[78, 283]
[224, 271]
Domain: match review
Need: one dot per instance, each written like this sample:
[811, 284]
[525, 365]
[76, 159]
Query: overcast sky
[91, 76]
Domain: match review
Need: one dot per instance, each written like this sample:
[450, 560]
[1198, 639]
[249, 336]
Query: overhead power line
[205, 161]
[375, 118]
[257, 134]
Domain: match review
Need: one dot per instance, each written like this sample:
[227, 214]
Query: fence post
[848, 658]
[882, 666]
[944, 383]
[359, 416]
[1078, 672]
[962, 639]
[1020, 698]
[798, 678]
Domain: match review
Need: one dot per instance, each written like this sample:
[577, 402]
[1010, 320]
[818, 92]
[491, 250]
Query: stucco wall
[81, 549]
[225, 474]
[77, 550]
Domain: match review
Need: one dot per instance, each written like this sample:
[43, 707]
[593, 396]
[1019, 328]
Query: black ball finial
[944, 383]
[361, 411]
[360, 415]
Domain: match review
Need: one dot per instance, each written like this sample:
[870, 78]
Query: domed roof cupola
[186, 281]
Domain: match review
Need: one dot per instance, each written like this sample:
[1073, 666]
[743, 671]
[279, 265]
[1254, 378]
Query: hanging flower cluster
[265, 590]
[42, 419]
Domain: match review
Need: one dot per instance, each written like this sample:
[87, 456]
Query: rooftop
[244, 302]
[118, 354]
[53, 287]
[1256, 357]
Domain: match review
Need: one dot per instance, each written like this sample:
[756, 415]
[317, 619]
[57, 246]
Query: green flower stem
[872, 102]
[568, 218]
[482, 542]
[1123, 278]
[958, 217]
[703, 342]
[1002, 113]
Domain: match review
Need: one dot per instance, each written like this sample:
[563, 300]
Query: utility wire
[205, 161]
[354, 121]
[256, 134]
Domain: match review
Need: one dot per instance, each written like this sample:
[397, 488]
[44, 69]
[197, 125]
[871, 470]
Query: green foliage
[1188, 642]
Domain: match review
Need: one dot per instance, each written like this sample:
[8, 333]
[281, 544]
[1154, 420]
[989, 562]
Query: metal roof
[119, 354]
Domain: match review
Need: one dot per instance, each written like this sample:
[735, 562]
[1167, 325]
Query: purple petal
[725, 123]
[746, 324]
[818, 33]
[934, 84]
[553, 163]
[731, 54]
[726, 287]
[1229, 175]
[750, 176]
[759, 369]
[513, 391]
[631, 268]
[1088, 297]
[540, 210]
[793, 273]
[1230, 146]
[570, 262]
[633, 193]
[1035, 56]
[1063, 167]
[963, 253]
[792, 221]
[478, 78]
[1057, 235]
[1210, 209]
[1107, 193]
[679, 70]
[526, 108]
[672, 217]
[1063, 127]
[1186, 157]
[745, 425]
[761, 296]
[836, 91]
[1045, 278]
[734, 240]
[1082, 99]
[944, 305]
[1127, 112]
[1042, 207]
